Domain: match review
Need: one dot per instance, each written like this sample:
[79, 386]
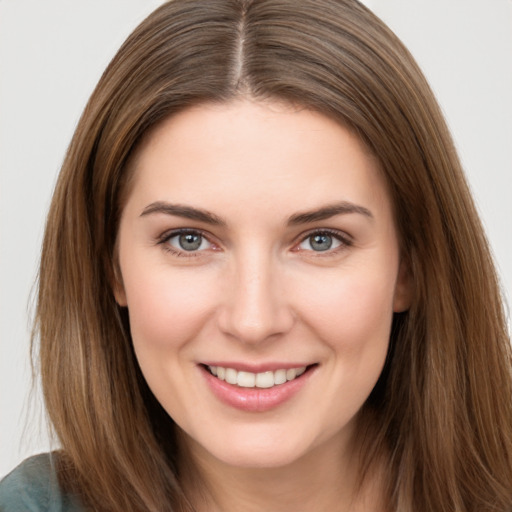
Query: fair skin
[258, 238]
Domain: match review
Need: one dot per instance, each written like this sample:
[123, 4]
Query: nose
[256, 307]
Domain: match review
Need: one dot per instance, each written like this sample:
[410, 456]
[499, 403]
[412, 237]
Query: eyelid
[343, 237]
[167, 235]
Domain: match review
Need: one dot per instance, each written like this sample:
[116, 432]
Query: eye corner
[334, 241]
[186, 242]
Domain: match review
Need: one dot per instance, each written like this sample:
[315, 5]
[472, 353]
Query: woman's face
[260, 266]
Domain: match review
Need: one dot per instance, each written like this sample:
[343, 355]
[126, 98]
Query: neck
[325, 479]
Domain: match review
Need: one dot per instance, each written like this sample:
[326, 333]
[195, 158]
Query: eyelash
[343, 238]
[164, 239]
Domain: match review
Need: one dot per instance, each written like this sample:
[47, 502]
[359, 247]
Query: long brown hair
[441, 413]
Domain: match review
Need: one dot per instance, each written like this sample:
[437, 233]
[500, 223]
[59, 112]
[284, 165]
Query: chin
[250, 449]
[256, 457]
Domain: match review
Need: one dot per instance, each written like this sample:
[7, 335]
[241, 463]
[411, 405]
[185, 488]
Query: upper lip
[256, 367]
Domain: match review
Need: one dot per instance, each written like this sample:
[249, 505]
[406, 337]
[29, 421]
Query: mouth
[257, 391]
[262, 380]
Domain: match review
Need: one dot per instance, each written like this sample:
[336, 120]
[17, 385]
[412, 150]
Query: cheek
[166, 308]
[352, 311]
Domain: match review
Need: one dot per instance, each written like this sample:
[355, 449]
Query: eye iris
[190, 241]
[320, 242]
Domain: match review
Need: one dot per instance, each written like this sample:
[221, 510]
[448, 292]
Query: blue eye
[188, 241]
[322, 241]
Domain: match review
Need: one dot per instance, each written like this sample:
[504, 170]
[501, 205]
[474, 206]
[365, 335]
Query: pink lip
[254, 368]
[254, 399]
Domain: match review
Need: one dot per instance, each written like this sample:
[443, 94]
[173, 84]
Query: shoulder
[33, 486]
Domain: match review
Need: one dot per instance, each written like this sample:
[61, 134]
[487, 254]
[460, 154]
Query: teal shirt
[33, 487]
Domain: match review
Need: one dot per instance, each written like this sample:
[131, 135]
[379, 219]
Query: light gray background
[52, 53]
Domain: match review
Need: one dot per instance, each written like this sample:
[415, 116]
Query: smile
[245, 379]
[256, 391]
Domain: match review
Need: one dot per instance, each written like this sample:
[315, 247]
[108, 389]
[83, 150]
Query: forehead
[254, 154]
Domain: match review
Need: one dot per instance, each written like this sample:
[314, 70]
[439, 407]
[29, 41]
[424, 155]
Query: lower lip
[255, 399]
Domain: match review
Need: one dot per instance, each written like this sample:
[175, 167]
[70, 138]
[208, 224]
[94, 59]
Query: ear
[118, 285]
[403, 288]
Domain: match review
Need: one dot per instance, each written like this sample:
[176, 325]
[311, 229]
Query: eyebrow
[326, 212]
[186, 212]
[189, 212]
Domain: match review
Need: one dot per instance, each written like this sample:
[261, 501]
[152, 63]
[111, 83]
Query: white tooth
[265, 380]
[260, 380]
[300, 371]
[291, 374]
[231, 375]
[246, 379]
[279, 377]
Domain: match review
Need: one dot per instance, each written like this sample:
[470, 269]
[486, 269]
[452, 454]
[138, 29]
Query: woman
[264, 284]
